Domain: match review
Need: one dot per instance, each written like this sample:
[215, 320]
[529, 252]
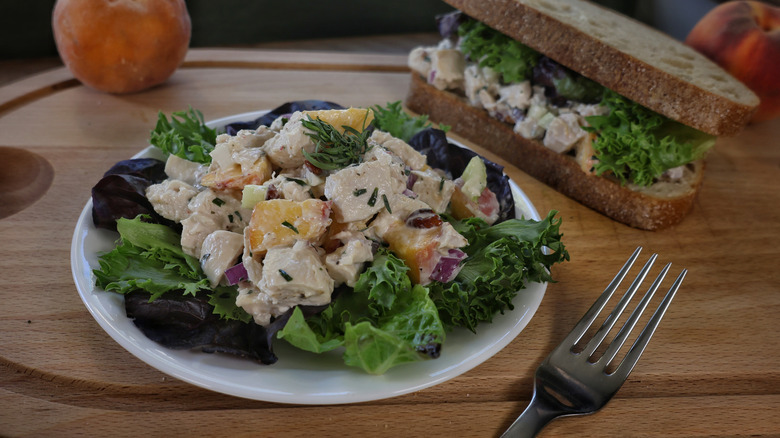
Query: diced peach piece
[420, 241]
[282, 221]
[486, 206]
[232, 178]
[417, 247]
[356, 118]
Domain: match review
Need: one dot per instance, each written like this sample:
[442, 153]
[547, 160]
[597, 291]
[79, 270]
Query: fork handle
[533, 419]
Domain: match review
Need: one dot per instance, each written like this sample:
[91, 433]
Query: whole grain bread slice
[656, 207]
[626, 56]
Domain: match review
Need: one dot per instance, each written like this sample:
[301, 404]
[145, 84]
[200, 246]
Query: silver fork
[568, 382]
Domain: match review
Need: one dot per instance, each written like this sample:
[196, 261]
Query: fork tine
[625, 331]
[627, 364]
[582, 326]
[612, 318]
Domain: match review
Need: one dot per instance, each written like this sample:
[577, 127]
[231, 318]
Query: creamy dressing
[339, 217]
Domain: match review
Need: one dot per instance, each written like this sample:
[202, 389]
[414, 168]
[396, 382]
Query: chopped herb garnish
[285, 275]
[359, 192]
[230, 218]
[441, 184]
[372, 199]
[218, 201]
[333, 149]
[290, 226]
[300, 182]
[238, 215]
[387, 204]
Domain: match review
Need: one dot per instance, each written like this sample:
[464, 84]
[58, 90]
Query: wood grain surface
[711, 370]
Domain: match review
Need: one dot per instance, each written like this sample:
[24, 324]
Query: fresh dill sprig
[333, 149]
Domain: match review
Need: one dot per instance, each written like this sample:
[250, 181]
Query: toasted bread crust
[649, 68]
[561, 172]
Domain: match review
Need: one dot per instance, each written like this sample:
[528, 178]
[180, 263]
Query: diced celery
[536, 112]
[545, 121]
[474, 178]
[253, 194]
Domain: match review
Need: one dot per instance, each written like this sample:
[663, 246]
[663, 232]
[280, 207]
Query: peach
[121, 46]
[743, 37]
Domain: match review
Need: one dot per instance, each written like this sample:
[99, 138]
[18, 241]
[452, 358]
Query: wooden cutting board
[711, 369]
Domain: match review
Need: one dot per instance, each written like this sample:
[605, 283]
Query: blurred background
[27, 44]
[25, 26]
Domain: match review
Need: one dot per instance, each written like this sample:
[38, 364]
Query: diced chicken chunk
[358, 192]
[529, 128]
[563, 132]
[420, 61]
[220, 251]
[516, 95]
[292, 275]
[409, 155]
[346, 263]
[195, 228]
[261, 306]
[296, 273]
[433, 189]
[170, 198]
[481, 84]
[239, 160]
[184, 170]
[290, 187]
[254, 268]
[586, 110]
[401, 207]
[211, 212]
[286, 148]
[447, 67]
[225, 152]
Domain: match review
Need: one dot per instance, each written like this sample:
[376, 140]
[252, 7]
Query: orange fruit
[121, 46]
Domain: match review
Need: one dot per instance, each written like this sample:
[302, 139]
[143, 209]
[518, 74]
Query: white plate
[298, 377]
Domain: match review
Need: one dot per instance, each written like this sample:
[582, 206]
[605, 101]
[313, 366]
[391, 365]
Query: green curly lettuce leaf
[149, 257]
[501, 260]
[381, 323]
[184, 135]
[315, 334]
[410, 332]
[638, 145]
[394, 120]
[490, 48]
[223, 299]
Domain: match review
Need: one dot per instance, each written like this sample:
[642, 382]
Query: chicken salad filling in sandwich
[606, 110]
[546, 101]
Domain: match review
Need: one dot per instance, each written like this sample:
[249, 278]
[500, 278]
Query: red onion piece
[449, 266]
[409, 194]
[411, 180]
[236, 274]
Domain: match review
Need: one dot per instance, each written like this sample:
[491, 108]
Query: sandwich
[608, 111]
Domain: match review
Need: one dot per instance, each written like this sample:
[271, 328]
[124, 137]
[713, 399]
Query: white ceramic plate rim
[298, 377]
